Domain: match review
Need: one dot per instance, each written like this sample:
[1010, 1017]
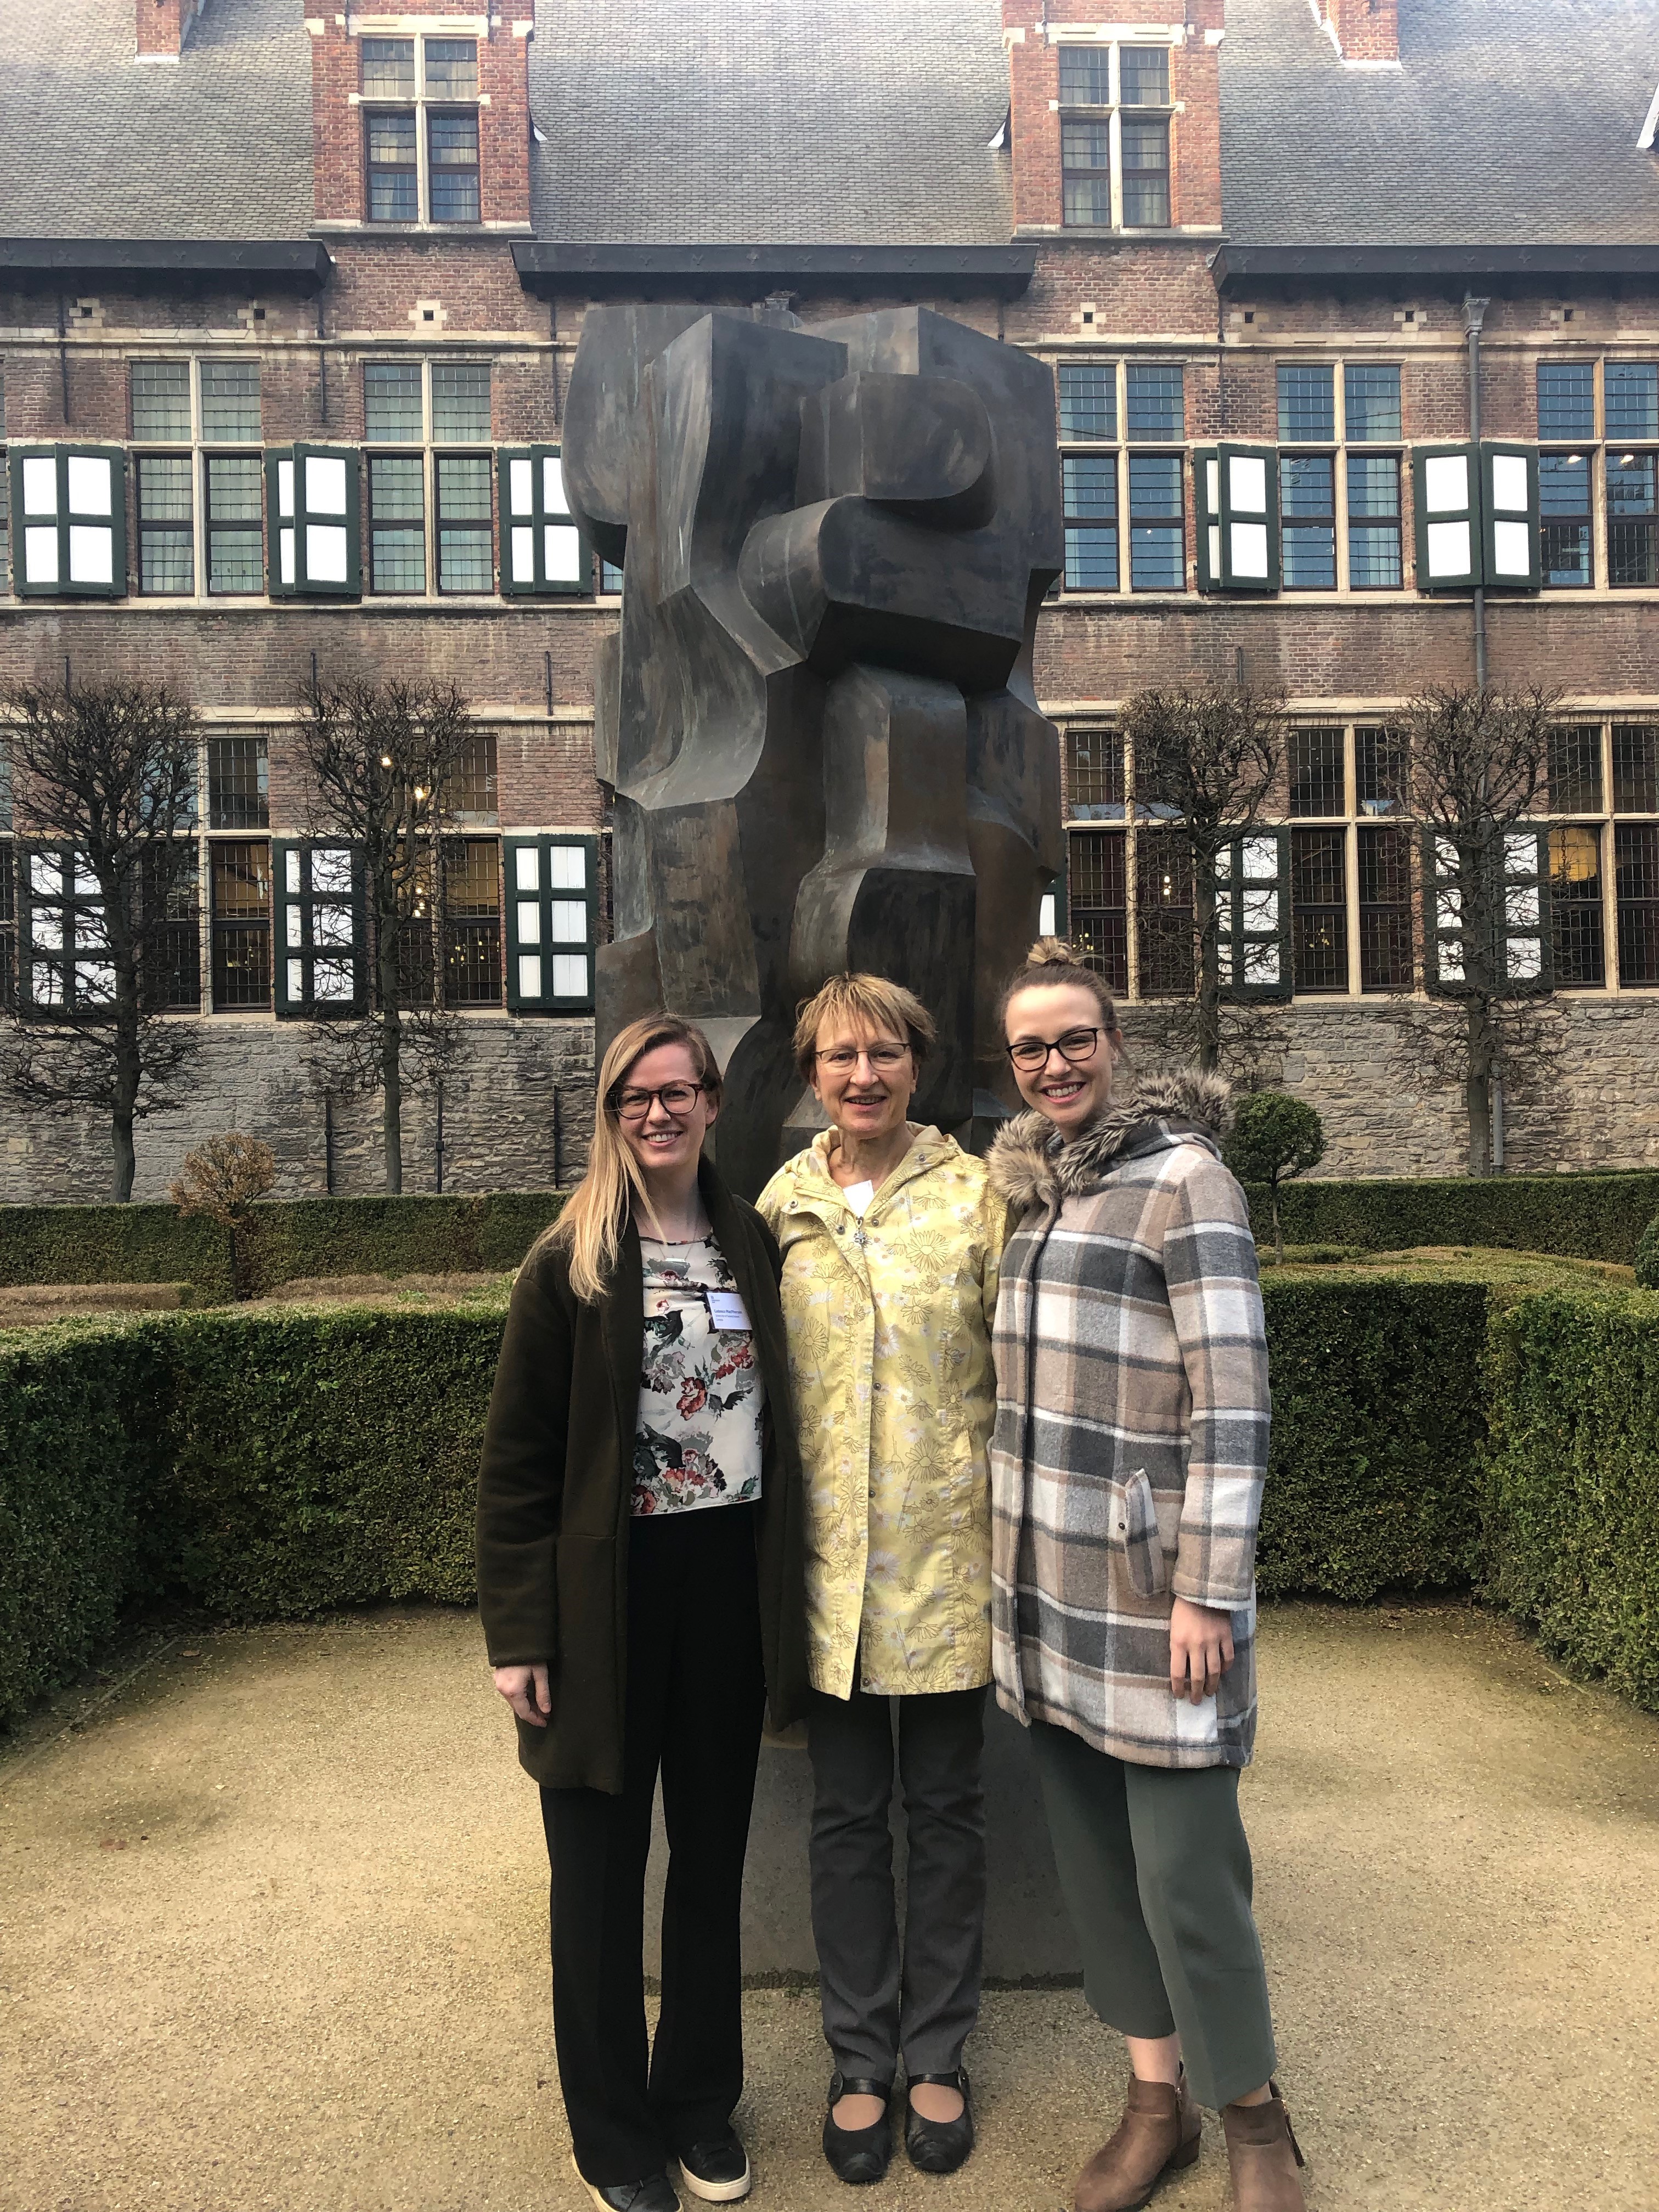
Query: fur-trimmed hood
[1029, 1166]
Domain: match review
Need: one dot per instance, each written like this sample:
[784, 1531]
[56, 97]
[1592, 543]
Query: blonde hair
[1051, 965]
[597, 1212]
[868, 1002]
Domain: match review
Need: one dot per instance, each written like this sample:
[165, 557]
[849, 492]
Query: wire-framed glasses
[883, 1057]
[1074, 1048]
[679, 1099]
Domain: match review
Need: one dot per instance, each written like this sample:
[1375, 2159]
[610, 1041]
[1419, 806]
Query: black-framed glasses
[677, 1098]
[1074, 1048]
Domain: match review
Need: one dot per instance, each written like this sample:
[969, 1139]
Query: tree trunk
[1477, 1088]
[391, 1086]
[125, 1158]
[1278, 1232]
[1209, 970]
[129, 1071]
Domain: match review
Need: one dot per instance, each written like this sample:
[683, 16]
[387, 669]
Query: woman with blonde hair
[1130, 1450]
[890, 1238]
[638, 1578]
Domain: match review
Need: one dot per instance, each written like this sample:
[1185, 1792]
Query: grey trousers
[878, 2006]
[1156, 1872]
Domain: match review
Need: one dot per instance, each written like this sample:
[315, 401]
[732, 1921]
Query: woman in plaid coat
[1127, 1469]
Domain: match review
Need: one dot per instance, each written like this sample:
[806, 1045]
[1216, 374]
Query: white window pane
[95, 981]
[529, 975]
[1521, 906]
[1260, 963]
[1445, 856]
[1446, 484]
[1521, 853]
[562, 552]
[1260, 860]
[332, 926]
[46, 929]
[39, 484]
[1526, 959]
[325, 554]
[529, 921]
[330, 868]
[86, 877]
[92, 554]
[1248, 478]
[1448, 910]
[569, 922]
[1045, 914]
[553, 499]
[1261, 909]
[1250, 549]
[1508, 483]
[296, 988]
[523, 556]
[88, 484]
[285, 554]
[91, 931]
[285, 489]
[567, 868]
[1215, 549]
[526, 869]
[325, 484]
[1451, 962]
[46, 876]
[295, 927]
[291, 871]
[1449, 548]
[570, 975]
[1224, 864]
[1212, 487]
[40, 554]
[1511, 549]
[1223, 961]
[47, 988]
[520, 488]
[331, 979]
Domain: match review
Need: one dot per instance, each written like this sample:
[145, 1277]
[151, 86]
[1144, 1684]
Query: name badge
[727, 1309]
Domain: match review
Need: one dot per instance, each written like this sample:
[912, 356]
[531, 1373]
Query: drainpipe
[1474, 314]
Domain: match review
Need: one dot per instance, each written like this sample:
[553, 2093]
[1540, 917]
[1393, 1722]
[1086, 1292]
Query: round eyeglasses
[677, 1098]
[1074, 1048]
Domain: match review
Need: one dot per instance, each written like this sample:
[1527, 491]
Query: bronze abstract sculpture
[817, 716]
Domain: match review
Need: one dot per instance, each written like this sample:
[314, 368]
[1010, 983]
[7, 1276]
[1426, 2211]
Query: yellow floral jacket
[888, 1321]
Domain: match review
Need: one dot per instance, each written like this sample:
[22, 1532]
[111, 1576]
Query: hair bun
[1052, 952]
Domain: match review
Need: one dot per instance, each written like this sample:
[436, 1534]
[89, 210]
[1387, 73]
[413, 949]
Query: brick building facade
[291, 296]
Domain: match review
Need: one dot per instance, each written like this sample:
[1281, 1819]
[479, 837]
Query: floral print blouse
[698, 1442]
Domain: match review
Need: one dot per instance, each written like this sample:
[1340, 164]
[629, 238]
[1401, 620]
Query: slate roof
[855, 122]
[94, 144]
[1513, 122]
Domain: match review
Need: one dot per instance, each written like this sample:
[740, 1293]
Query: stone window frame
[1600, 446]
[422, 105]
[200, 449]
[428, 448]
[1119, 449]
[1111, 115]
[1626, 835]
[1340, 451]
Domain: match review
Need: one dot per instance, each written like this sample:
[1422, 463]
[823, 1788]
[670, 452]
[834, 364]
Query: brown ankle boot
[1158, 2131]
[1263, 2155]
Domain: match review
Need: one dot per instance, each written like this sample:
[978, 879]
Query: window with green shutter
[1520, 961]
[552, 884]
[320, 962]
[1447, 518]
[1252, 920]
[311, 498]
[1238, 539]
[1510, 533]
[543, 551]
[68, 522]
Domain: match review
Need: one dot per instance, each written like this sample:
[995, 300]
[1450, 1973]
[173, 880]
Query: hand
[525, 1690]
[1200, 1649]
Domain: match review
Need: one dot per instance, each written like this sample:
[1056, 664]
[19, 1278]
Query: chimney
[163, 27]
[1365, 33]
[418, 126]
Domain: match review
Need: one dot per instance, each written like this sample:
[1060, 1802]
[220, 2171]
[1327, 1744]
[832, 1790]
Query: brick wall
[1365, 30]
[162, 26]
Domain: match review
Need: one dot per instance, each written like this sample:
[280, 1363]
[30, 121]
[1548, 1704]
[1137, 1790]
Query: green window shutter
[543, 552]
[321, 954]
[1206, 479]
[1510, 534]
[69, 520]
[1524, 913]
[1446, 482]
[1253, 916]
[1443, 961]
[1247, 489]
[314, 537]
[552, 906]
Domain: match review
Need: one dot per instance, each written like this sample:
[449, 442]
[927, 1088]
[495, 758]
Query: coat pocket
[1135, 1534]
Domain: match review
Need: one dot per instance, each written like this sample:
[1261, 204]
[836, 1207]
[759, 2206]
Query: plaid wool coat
[1131, 1441]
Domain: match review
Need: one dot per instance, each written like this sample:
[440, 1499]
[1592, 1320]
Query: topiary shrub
[1274, 1137]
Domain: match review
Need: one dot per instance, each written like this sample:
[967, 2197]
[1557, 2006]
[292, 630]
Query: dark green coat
[557, 1479]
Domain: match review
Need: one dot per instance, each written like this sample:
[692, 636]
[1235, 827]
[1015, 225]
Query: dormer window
[1115, 137]
[421, 130]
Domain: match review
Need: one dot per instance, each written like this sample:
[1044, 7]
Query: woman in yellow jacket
[890, 1238]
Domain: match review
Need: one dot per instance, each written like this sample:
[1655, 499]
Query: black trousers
[881, 2004]
[695, 1693]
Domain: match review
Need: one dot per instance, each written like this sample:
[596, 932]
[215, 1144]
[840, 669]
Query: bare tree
[105, 789]
[1210, 762]
[383, 762]
[1477, 766]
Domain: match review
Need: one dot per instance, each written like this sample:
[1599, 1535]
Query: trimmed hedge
[298, 1237]
[1571, 1488]
[1585, 1217]
[1647, 1256]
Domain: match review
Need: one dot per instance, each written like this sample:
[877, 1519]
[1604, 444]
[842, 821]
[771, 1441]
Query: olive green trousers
[1155, 1873]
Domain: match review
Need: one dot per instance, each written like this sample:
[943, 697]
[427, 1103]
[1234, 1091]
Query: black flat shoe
[654, 2194]
[939, 2145]
[858, 2156]
[717, 2168]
